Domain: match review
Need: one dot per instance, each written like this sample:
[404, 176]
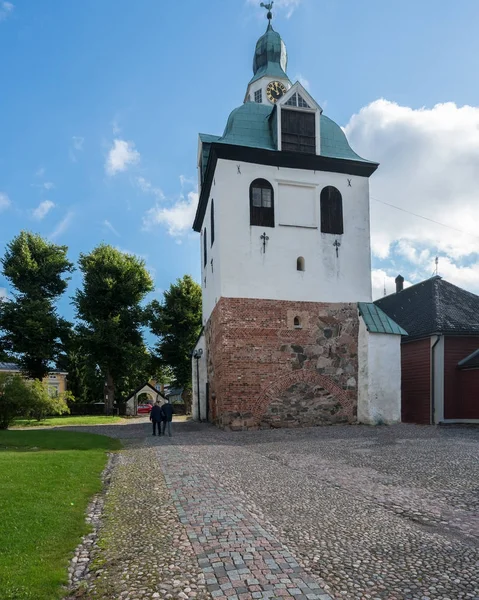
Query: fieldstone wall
[266, 371]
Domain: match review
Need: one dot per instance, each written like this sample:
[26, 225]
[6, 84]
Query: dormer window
[298, 130]
[258, 96]
[297, 100]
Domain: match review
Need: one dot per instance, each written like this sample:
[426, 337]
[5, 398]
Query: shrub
[42, 403]
[13, 398]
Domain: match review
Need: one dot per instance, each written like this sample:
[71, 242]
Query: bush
[41, 403]
[13, 398]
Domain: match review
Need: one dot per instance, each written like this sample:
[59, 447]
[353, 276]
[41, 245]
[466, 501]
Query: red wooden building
[440, 357]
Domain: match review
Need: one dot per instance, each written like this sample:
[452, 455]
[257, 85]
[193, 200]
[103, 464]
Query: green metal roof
[254, 125]
[270, 57]
[248, 125]
[334, 142]
[377, 321]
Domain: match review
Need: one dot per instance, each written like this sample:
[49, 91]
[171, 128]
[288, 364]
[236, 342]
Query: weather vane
[269, 8]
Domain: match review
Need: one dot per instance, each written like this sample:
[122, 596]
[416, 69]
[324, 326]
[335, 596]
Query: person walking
[168, 411]
[156, 416]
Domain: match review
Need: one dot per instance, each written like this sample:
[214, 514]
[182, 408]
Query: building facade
[55, 380]
[440, 356]
[285, 252]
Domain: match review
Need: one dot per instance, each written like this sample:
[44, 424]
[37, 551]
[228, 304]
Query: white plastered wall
[247, 271]
[379, 378]
[199, 379]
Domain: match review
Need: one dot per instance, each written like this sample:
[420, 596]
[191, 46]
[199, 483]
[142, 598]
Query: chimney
[399, 283]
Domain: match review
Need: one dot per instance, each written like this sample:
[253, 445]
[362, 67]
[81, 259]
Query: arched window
[261, 202]
[300, 264]
[297, 323]
[212, 222]
[331, 210]
[205, 248]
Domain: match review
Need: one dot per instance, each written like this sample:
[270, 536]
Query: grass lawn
[68, 421]
[47, 479]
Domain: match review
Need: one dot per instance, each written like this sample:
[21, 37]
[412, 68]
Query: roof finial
[269, 8]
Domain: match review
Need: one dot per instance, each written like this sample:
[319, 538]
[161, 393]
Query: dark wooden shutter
[331, 211]
[212, 222]
[261, 198]
[298, 131]
[205, 248]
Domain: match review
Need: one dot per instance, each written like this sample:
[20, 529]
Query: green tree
[13, 398]
[85, 380]
[109, 308]
[177, 322]
[32, 329]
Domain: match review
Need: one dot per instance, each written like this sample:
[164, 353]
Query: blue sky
[101, 103]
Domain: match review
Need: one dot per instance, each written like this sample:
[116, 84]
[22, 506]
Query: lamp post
[197, 354]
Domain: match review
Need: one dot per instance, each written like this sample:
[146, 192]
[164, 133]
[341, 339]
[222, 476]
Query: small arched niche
[300, 263]
[297, 323]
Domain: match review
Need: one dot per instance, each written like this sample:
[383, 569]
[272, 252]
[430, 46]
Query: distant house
[440, 357]
[174, 395]
[56, 380]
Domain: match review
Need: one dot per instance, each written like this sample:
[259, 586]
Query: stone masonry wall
[264, 371]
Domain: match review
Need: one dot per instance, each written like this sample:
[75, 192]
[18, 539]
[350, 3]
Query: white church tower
[286, 265]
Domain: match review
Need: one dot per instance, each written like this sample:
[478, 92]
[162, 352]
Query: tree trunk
[110, 394]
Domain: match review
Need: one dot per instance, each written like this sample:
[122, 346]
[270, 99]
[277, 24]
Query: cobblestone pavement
[386, 513]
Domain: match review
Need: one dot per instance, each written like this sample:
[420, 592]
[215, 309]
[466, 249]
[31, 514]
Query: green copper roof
[334, 143]
[248, 125]
[377, 321]
[254, 125]
[270, 57]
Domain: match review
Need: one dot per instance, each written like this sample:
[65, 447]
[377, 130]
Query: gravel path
[351, 513]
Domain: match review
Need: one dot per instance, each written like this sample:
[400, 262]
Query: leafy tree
[13, 398]
[177, 322]
[109, 307]
[32, 329]
[85, 380]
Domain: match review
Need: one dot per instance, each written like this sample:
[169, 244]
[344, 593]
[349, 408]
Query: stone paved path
[348, 513]
[240, 558]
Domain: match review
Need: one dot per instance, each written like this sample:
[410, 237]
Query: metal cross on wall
[337, 245]
[265, 238]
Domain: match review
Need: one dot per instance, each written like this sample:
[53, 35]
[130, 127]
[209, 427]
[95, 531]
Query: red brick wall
[461, 388]
[416, 382]
[257, 359]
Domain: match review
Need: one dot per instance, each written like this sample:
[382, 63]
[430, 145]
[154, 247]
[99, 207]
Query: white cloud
[303, 81]
[5, 201]
[76, 147]
[63, 225]
[177, 218]
[146, 187]
[109, 226]
[380, 280]
[3, 294]
[43, 209]
[6, 9]
[287, 7]
[115, 127]
[78, 142]
[429, 160]
[121, 155]
[40, 172]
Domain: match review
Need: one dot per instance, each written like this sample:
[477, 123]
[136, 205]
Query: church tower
[285, 254]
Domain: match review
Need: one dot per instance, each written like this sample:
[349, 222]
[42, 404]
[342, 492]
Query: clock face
[275, 90]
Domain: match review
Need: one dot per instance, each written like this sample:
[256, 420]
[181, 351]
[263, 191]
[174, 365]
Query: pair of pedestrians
[161, 417]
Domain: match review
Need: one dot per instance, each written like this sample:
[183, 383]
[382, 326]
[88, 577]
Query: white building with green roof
[283, 215]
